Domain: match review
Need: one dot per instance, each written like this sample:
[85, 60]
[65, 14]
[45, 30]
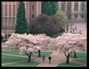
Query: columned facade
[76, 10]
[9, 12]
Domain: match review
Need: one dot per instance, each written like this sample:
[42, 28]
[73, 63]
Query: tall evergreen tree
[21, 23]
[49, 8]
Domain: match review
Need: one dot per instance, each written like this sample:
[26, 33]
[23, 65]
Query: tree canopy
[49, 8]
[62, 17]
[44, 24]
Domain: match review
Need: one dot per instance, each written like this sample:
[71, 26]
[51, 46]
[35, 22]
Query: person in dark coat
[49, 59]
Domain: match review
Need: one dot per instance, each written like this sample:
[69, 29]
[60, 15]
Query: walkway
[81, 26]
[56, 60]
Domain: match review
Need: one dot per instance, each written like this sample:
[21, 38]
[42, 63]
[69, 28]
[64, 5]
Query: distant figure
[49, 59]
[75, 27]
[43, 58]
[73, 30]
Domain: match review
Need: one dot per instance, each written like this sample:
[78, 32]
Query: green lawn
[7, 57]
[84, 60]
[17, 53]
[11, 52]
[23, 64]
[69, 65]
[81, 57]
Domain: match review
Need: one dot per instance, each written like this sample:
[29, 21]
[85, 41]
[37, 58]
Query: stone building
[9, 12]
[76, 10]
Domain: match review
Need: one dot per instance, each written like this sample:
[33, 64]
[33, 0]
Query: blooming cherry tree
[33, 44]
[72, 43]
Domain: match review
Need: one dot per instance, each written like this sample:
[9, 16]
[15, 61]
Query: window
[9, 22]
[82, 15]
[13, 22]
[13, 9]
[76, 6]
[63, 6]
[32, 15]
[3, 21]
[69, 10]
[82, 6]
[5, 10]
[9, 10]
[2, 9]
[32, 7]
[69, 6]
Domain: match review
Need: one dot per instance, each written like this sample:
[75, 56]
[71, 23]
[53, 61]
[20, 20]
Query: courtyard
[37, 34]
[13, 59]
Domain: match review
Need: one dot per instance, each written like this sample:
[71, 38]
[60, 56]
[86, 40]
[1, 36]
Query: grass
[11, 52]
[7, 58]
[84, 60]
[69, 65]
[80, 55]
[10, 58]
[17, 53]
[23, 64]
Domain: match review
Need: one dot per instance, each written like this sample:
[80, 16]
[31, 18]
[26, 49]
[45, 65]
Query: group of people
[49, 58]
[73, 30]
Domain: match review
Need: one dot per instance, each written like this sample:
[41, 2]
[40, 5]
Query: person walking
[43, 58]
[49, 59]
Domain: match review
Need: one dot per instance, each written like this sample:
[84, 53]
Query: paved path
[56, 59]
[81, 26]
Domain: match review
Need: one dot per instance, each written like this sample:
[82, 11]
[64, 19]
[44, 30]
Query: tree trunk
[75, 55]
[29, 57]
[39, 53]
[67, 59]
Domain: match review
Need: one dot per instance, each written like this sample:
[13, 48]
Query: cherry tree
[27, 44]
[33, 44]
[29, 51]
[72, 43]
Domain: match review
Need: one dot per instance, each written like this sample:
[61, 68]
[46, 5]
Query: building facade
[9, 12]
[76, 11]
